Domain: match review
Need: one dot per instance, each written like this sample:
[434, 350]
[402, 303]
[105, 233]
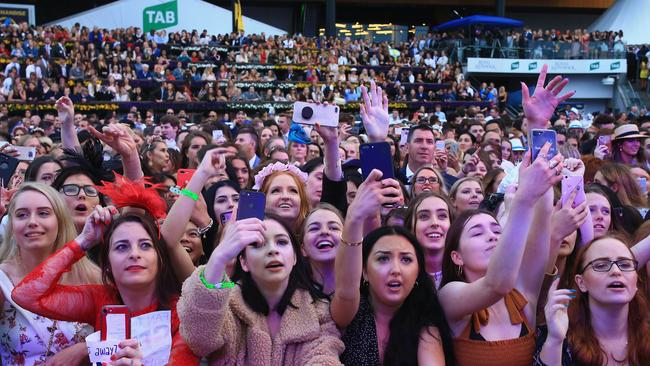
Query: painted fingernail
[113, 357]
[572, 296]
[572, 290]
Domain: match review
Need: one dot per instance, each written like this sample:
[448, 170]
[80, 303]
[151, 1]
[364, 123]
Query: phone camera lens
[307, 112]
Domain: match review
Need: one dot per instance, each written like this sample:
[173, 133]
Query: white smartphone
[25, 153]
[312, 113]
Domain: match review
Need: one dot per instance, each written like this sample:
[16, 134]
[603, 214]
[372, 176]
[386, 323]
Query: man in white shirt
[442, 60]
[31, 68]
[394, 117]
[13, 65]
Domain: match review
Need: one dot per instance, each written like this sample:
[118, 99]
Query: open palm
[539, 107]
[374, 112]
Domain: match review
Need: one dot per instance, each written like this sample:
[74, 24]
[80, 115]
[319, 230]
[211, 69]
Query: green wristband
[190, 194]
[222, 284]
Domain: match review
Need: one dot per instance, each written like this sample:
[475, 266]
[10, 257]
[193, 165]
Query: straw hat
[627, 131]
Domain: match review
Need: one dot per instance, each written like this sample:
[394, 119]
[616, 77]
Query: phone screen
[541, 137]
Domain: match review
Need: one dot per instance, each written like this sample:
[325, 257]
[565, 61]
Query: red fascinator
[141, 194]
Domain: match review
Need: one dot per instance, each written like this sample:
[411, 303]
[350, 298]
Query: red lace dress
[39, 292]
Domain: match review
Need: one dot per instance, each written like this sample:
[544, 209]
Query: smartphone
[376, 155]
[312, 113]
[354, 130]
[224, 217]
[404, 137]
[540, 137]
[398, 131]
[8, 165]
[116, 322]
[217, 135]
[183, 177]
[251, 204]
[572, 183]
[440, 145]
[26, 153]
[643, 183]
[604, 140]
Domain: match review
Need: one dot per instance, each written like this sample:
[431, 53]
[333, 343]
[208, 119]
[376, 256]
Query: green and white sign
[160, 16]
[523, 66]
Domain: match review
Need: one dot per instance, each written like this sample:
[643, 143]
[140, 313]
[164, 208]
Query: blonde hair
[82, 272]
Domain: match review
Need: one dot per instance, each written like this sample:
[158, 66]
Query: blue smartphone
[540, 137]
[251, 204]
[376, 155]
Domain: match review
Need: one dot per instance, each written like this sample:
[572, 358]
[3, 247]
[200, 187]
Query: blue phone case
[251, 204]
[537, 140]
[376, 155]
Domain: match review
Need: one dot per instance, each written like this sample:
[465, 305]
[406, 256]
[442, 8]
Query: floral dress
[29, 339]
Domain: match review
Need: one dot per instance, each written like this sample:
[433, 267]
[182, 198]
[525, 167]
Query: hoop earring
[364, 283]
[416, 284]
[459, 271]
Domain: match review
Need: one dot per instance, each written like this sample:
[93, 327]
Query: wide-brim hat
[627, 131]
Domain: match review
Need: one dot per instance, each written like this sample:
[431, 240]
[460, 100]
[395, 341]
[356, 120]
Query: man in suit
[247, 142]
[421, 148]
[161, 94]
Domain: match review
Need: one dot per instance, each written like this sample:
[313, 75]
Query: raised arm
[40, 293]
[65, 109]
[348, 264]
[331, 157]
[179, 215]
[460, 299]
[539, 107]
[117, 137]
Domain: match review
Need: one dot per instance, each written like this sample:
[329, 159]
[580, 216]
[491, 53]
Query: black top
[360, 338]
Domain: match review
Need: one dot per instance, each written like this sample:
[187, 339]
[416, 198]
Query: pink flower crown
[277, 167]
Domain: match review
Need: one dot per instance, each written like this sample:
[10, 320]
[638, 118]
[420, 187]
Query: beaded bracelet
[353, 244]
[222, 284]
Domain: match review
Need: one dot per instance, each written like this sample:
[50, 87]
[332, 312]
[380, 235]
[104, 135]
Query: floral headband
[277, 167]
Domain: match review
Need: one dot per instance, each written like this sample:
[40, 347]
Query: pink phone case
[312, 113]
[571, 183]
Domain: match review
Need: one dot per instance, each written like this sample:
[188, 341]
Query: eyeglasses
[424, 180]
[605, 265]
[73, 190]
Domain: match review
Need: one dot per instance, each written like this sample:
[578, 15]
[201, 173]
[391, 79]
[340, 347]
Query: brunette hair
[420, 310]
[298, 278]
[585, 346]
[411, 214]
[187, 141]
[441, 180]
[167, 285]
[629, 191]
[232, 175]
[450, 271]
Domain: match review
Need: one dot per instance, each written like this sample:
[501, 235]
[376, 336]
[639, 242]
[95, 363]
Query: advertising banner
[522, 66]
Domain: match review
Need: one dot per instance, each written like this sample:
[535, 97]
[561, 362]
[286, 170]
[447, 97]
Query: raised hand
[440, 157]
[330, 135]
[539, 107]
[573, 166]
[372, 194]
[117, 137]
[9, 149]
[213, 163]
[93, 230]
[538, 177]
[65, 109]
[566, 219]
[239, 234]
[555, 310]
[601, 152]
[374, 112]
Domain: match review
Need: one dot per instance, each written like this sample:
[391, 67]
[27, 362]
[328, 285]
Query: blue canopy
[495, 22]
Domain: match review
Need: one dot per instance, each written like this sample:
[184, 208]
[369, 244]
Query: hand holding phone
[440, 145]
[184, 176]
[571, 183]
[540, 137]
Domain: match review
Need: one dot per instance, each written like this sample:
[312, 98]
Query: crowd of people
[41, 64]
[468, 253]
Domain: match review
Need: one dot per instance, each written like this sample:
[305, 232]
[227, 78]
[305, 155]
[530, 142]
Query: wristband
[190, 194]
[222, 284]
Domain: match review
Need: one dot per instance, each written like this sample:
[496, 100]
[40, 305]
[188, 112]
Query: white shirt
[442, 60]
[31, 69]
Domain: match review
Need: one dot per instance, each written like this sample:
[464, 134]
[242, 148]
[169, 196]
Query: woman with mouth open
[395, 317]
[271, 314]
[135, 266]
[604, 319]
[492, 276]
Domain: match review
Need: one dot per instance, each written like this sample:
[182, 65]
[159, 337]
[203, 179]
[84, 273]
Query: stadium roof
[490, 21]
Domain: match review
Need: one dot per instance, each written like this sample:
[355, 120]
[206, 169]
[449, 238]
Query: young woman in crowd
[603, 319]
[272, 314]
[39, 225]
[492, 276]
[466, 194]
[239, 171]
[619, 179]
[320, 240]
[626, 146]
[191, 145]
[314, 186]
[395, 318]
[427, 179]
[284, 187]
[43, 169]
[155, 158]
[135, 265]
[429, 217]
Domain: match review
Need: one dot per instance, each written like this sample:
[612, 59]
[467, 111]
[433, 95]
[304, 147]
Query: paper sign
[152, 330]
